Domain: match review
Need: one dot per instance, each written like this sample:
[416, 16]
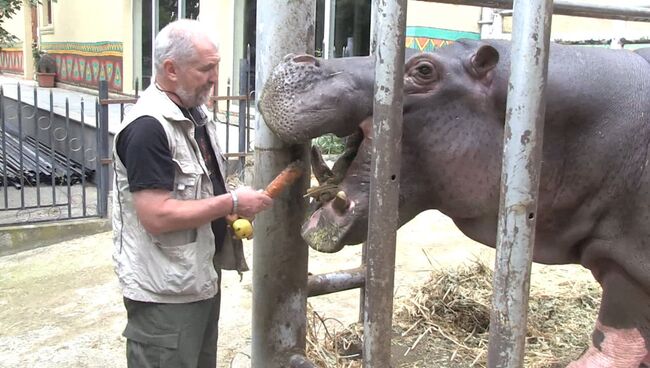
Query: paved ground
[60, 306]
[46, 203]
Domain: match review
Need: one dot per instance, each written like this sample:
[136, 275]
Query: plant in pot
[46, 70]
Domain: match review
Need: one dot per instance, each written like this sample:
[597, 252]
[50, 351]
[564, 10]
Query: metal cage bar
[569, 7]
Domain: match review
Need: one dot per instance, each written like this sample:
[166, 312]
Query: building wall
[217, 15]
[88, 39]
[433, 25]
[12, 59]
[577, 28]
[565, 28]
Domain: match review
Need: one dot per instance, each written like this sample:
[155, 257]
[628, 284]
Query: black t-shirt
[144, 150]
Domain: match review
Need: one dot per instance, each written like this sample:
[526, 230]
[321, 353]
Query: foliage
[36, 52]
[330, 144]
[46, 63]
[9, 8]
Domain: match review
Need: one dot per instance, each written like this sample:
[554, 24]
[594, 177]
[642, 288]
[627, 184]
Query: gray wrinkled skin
[295, 106]
[594, 195]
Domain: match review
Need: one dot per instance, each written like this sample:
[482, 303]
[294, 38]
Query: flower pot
[45, 79]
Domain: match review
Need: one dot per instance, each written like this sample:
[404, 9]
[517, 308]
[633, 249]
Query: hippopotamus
[594, 191]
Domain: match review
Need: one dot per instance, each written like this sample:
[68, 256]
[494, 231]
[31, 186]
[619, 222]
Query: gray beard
[190, 100]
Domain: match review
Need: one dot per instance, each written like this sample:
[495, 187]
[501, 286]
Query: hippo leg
[621, 337]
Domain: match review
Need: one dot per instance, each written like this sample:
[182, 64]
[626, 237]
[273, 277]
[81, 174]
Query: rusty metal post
[280, 254]
[364, 247]
[520, 181]
[103, 150]
[384, 184]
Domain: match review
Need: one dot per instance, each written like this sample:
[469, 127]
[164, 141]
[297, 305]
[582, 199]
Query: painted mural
[11, 60]
[85, 64]
[428, 39]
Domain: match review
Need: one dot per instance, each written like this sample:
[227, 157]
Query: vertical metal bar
[102, 151]
[98, 164]
[384, 184]
[519, 181]
[248, 103]
[326, 28]
[228, 117]
[364, 249]
[362, 288]
[243, 91]
[68, 172]
[329, 31]
[155, 21]
[137, 87]
[5, 185]
[50, 135]
[83, 159]
[38, 149]
[121, 111]
[280, 257]
[21, 170]
[373, 27]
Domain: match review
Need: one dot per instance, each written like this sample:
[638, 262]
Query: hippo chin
[594, 192]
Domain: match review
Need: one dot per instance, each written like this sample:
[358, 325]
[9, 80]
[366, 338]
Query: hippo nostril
[305, 59]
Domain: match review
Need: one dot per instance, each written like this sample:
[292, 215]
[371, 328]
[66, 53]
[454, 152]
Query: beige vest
[179, 266]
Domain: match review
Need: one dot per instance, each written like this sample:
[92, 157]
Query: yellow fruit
[243, 228]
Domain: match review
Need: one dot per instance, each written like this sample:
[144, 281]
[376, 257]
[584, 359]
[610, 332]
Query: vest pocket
[186, 180]
[173, 269]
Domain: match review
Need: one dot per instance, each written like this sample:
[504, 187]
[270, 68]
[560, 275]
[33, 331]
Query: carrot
[292, 172]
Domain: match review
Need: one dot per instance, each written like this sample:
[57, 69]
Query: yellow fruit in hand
[243, 228]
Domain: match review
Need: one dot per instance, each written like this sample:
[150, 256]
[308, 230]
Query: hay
[453, 309]
[445, 323]
[330, 344]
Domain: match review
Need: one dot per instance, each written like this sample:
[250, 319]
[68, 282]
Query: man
[169, 208]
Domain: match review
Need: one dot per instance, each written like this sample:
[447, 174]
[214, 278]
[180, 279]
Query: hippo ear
[484, 60]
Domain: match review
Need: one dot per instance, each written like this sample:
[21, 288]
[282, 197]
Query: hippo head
[447, 94]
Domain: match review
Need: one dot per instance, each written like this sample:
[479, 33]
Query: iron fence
[47, 165]
[55, 163]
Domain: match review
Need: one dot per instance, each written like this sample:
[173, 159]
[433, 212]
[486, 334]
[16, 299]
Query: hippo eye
[422, 74]
[425, 70]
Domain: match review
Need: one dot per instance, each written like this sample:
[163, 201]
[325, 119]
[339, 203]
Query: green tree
[9, 8]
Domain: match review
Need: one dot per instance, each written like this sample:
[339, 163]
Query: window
[46, 25]
[167, 11]
[47, 12]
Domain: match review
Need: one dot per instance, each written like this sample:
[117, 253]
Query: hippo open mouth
[340, 200]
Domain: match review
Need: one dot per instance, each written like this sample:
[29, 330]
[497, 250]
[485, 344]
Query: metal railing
[47, 162]
[55, 163]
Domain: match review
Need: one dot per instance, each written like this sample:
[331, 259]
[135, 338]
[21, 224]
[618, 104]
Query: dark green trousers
[172, 335]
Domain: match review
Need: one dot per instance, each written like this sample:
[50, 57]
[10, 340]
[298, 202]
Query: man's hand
[251, 202]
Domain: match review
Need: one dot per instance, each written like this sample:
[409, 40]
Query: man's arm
[144, 150]
[160, 213]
